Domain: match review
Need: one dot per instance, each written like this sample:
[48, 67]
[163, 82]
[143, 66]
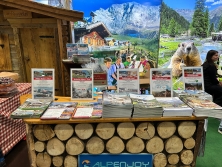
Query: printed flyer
[128, 81]
[161, 82]
[81, 84]
[193, 78]
[43, 83]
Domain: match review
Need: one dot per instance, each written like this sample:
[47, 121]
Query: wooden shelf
[38, 121]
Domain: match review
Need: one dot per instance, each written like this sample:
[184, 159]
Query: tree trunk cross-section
[70, 161]
[105, 130]
[126, 130]
[186, 129]
[189, 143]
[84, 131]
[135, 145]
[155, 145]
[166, 129]
[173, 159]
[63, 131]
[43, 132]
[159, 160]
[74, 146]
[173, 145]
[39, 146]
[115, 145]
[145, 130]
[43, 160]
[186, 157]
[57, 161]
[55, 147]
[95, 145]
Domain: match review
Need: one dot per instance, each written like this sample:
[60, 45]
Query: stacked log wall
[60, 145]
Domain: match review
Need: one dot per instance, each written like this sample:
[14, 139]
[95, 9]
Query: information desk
[12, 131]
[173, 141]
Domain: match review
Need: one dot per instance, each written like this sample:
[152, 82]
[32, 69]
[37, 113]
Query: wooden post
[61, 47]
[30, 145]
[23, 76]
[199, 133]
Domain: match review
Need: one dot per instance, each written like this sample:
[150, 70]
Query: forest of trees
[174, 24]
[171, 22]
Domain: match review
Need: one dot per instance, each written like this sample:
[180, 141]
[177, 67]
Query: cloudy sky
[190, 4]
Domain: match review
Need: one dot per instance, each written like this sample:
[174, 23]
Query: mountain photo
[121, 26]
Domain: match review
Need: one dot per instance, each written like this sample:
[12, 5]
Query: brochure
[161, 82]
[31, 108]
[72, 49]
[128, 81]
[83, 49]
[193, 78]
[81, 84]
[60, 110]
[43, 83]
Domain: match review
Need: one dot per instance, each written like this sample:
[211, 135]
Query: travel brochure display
[72, 49]
[43, 83]
[116, 105]
[161, 82]
[31, 108]
[146, 106]
[193, 78]
[173, 106]
[202, 106]
[59, 110]
[81, 83]
[88, 110]
[128, 81]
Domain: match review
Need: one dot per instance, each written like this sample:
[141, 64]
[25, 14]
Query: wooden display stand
[174, 141]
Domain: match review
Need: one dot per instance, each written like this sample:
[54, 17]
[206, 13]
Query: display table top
[60, 98]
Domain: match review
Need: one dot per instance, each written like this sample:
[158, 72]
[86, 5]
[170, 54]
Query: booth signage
[117, 160]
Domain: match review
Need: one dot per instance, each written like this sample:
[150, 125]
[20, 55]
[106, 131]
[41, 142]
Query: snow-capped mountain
[186, 13]
[130, 16]
[215, 15]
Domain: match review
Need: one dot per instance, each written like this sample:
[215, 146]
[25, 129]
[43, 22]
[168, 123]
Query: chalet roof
[99, 27]
[94, 25]
[59, 13]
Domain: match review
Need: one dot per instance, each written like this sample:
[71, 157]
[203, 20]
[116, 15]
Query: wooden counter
[101, 132]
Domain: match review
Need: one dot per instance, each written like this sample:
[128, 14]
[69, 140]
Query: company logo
[86, 163]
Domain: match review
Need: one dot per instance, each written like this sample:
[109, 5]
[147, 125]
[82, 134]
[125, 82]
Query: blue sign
[115, 160]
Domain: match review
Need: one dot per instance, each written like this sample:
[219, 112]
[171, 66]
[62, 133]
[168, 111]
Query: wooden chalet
[34, 35]
[93, 34]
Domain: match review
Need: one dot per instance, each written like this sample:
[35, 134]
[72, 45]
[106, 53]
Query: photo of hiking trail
[188, 30]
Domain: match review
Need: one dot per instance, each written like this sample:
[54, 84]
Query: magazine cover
[43, 83]
[193, 78]
[161, 82]
[128, 81]
[81, 84]
[72, 49]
